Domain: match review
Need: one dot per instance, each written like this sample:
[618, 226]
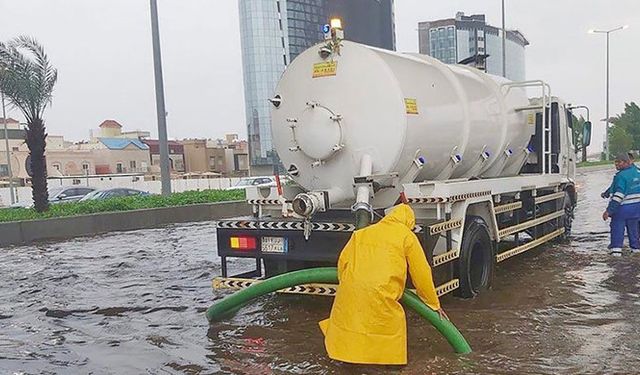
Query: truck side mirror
[586, 134]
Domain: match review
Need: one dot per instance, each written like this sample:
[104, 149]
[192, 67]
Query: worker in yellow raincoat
[367, 323]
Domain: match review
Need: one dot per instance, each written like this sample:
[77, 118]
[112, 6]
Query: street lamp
[165, 171]
[606, 128]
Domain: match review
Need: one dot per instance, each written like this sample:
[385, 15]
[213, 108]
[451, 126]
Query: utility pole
[6, 143]
[606, 127]
[504, 45]
[165, 173]
[607, 153]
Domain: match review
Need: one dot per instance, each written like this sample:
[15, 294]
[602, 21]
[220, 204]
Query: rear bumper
[324, 244]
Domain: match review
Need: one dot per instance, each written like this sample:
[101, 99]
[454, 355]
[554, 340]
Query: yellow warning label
[531, 119]
[325, 69]
[411, 106]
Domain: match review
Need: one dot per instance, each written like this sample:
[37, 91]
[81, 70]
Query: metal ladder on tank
[545, 107]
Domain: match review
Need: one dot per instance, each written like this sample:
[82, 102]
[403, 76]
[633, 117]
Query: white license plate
[274, 244]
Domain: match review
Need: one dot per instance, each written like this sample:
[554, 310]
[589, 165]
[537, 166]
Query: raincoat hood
[401, 214]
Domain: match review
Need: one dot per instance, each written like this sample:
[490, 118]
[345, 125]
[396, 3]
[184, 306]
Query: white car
[254, 181]
[61, 194]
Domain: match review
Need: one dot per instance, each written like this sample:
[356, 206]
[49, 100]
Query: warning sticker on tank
[325, 69]
[411, 106]
[531, 119]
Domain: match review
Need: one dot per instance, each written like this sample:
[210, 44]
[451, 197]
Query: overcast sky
[102, 49]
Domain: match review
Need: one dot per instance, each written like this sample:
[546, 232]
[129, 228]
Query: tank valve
[307, 204]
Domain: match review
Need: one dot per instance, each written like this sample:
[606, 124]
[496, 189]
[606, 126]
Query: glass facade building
[470, 38]
[274, 32]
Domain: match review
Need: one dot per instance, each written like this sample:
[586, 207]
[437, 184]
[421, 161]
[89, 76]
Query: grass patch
[594, 163]
[121, 204]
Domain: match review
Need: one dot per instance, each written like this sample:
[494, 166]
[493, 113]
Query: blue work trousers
[628, 215]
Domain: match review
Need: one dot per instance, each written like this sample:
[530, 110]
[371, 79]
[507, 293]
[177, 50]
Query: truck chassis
[466, 228]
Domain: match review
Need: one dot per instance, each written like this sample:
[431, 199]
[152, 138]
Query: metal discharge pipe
[232, 303]
[362, 207]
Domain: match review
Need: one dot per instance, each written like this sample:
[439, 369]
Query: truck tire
[566, 220]
[476, 264]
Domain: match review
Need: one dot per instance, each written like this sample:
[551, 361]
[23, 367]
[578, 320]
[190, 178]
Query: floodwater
[134, 302]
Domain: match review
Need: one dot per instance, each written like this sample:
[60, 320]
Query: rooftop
[122, 143]
[110, 124]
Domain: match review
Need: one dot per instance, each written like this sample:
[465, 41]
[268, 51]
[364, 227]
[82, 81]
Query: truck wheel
[477, 259]
[566, 220]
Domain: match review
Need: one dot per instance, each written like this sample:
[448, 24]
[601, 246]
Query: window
[118, 167]
[132, 164]
[83, 191]
[85, 166]
[4, 170]
[70, 192]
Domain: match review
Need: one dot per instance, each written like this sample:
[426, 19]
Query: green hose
[232, 303]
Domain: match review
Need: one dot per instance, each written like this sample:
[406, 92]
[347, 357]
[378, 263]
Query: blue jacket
[607, 193]
[625, 189]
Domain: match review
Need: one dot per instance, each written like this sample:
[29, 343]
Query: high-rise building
[470, 40]
[274, 32]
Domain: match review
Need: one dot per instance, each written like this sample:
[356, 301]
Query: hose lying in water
[232, 303]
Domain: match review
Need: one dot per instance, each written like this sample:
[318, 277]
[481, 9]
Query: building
[176, 155]
[16, 136]
[227, 157]
[113, 129]
[119, 155]
[469, 39]
[195, 155]
[274, 32]
[110, 151]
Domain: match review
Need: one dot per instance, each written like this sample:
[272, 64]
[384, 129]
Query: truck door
[570, 151]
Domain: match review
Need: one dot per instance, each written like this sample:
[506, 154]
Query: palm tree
[27, 79]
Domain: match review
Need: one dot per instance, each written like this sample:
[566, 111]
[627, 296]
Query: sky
[102, 49]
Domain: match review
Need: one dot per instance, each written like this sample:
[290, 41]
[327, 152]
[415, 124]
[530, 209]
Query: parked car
[254, 181]
[113, 193]
[60, 194]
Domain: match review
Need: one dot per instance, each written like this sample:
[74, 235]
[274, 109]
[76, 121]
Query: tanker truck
[488, 170]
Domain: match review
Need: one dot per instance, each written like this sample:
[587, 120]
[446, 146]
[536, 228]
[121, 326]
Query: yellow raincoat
[367, 323]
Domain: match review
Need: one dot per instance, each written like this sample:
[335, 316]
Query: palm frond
[27, 79]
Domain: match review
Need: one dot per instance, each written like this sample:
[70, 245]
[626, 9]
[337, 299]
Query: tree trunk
[584, 154]
[36, 141]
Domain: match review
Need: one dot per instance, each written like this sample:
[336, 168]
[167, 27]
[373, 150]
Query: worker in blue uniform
[607, 193]
[624, 205]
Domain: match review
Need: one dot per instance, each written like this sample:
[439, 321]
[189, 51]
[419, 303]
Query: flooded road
[134, 302]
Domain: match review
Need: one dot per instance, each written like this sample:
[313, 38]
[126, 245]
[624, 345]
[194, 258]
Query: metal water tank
[396, 108]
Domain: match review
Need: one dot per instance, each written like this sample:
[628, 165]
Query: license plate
[274, 244]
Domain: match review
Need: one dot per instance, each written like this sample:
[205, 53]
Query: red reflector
[243, 243]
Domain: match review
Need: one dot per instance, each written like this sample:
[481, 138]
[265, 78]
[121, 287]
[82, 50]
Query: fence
[134, 182]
